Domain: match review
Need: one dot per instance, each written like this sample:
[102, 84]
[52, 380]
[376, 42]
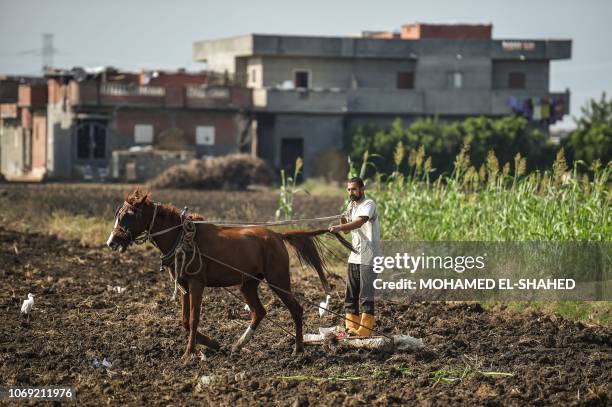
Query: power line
[47, 51]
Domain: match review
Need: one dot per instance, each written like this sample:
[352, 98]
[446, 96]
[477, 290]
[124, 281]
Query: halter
[146, 235]
[183, 243]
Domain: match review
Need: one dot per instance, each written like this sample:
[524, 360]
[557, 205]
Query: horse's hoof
[189, 351]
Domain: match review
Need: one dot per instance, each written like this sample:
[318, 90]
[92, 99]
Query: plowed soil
[472, 356]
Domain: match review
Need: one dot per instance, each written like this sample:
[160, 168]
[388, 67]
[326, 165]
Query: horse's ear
[144, 198]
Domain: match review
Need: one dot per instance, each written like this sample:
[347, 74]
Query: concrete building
[22, 122]
[67, 125]
[308, 91]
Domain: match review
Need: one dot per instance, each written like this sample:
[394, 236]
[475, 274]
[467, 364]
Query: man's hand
[334, 229]
[346, 227]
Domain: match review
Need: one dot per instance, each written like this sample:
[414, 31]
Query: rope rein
[268, 223]
[187, 245]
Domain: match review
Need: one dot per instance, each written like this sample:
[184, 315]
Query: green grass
[459, 373]
[90, 231]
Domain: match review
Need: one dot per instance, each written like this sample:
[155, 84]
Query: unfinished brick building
[67, 124]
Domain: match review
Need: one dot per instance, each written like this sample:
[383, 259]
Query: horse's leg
[297, 312]
[184, 304]
[281, 285]
[195, 304]
[249, 292]
[185, 312]
[196, 289]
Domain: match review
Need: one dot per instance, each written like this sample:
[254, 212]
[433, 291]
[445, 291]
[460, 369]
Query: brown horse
[227, 256]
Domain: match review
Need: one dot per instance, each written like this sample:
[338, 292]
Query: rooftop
[412, 40]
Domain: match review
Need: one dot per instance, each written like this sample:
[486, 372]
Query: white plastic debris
[407, 342]
[395, 343]
[206, 380]
[332, 329]
[117, 288]
[27, 305]
[105, 363]
[323, 332]
[379, 343]
[324, 305]
[313, 337]
[247, 308]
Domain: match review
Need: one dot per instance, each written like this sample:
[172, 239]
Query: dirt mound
[233, 172]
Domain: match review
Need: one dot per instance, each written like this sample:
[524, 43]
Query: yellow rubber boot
[367, 324]
[350, 321]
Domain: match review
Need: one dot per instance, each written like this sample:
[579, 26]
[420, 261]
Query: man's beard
[355, 198]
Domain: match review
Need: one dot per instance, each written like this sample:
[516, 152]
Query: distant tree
[592, 138]
[443, 141]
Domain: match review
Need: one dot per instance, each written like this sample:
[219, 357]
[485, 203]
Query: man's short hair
[358, 181]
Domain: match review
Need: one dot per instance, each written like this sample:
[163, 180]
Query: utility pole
[47, 51]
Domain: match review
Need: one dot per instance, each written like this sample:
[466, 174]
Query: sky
[136, 34]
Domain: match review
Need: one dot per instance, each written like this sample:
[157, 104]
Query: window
[253, 75]
[405, 80]
[455, 80]
[516, 80]
[143, 134]
[205, 135]
[302, 79]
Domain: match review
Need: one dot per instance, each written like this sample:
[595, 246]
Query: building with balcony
[67, 125]
[309, 90]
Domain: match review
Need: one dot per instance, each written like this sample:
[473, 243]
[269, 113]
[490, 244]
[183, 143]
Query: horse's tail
[307, 246]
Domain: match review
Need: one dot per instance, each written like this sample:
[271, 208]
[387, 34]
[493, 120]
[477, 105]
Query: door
[291, 149]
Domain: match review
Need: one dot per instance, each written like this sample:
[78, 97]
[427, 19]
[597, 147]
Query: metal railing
[120, 89]
[202, 92]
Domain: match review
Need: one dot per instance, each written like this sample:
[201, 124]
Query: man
[362, 221]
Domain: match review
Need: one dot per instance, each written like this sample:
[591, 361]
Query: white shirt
[366, 239]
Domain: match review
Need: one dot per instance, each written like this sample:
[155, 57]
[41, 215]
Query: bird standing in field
[27, 305]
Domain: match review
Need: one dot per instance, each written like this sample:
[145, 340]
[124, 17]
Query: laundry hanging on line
[545, 109]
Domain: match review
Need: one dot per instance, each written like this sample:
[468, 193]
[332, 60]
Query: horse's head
[132, 219]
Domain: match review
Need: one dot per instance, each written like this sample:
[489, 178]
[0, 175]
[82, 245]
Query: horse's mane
[168, 210]
[171, 210]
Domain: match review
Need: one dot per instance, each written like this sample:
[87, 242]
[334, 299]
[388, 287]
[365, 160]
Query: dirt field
[474, 356]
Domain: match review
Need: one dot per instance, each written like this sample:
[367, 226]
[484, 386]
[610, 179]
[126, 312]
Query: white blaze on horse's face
[111, 238]
[110, 242]
[112, 234]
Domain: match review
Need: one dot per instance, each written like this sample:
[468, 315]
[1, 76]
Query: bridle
[145, 236]
[187, 231]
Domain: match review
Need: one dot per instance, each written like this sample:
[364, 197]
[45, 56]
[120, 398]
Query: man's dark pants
[359, 289]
